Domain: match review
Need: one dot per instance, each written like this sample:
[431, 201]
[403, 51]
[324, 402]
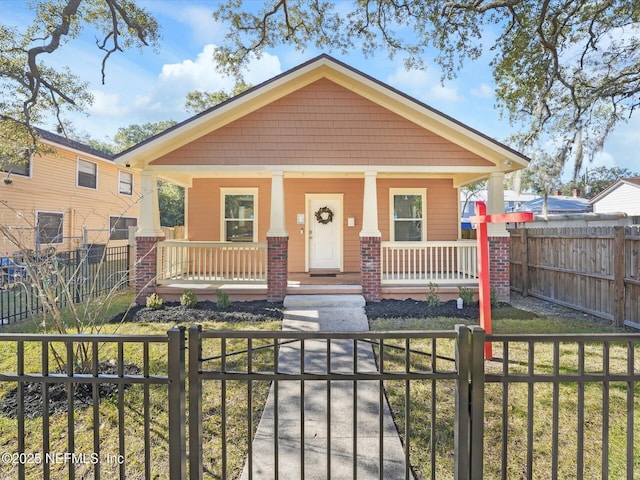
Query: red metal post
[484, 290]
[481, 219]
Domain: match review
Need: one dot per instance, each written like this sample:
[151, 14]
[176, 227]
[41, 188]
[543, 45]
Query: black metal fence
[281, 405]
[92, 406]
[73, 276]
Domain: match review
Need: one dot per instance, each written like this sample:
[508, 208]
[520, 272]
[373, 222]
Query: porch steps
[323, 289]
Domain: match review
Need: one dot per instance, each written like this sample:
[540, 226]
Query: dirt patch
[173, 312]
[58, 401]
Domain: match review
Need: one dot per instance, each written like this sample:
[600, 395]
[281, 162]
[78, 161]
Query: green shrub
[466, 294]
[154, 301]
[494, 297]
[188, 299]
[222, 299]
[433, 297]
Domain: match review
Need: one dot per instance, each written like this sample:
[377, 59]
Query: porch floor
[303, 283]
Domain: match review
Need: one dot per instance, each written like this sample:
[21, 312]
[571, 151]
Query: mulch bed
[419, 309]
[173, 312]
[82, 397]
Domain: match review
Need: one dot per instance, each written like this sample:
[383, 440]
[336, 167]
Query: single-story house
[322, 170]
[621, 196]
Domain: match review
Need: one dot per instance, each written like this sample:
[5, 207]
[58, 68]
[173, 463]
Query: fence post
[476, 408]
[462, 436]
[195, 403]
[618, 276]
[177, 405]
[525, 261]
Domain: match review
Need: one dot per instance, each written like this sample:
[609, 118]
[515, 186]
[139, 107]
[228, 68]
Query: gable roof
[633, 181]
[65, 142]
[327, 67]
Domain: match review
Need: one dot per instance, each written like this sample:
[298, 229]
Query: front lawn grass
[436, 456]
[235, 418]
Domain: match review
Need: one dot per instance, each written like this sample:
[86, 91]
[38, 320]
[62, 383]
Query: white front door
[324, 234]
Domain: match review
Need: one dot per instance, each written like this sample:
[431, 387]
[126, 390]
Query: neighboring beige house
[622, 196]
[320, 171]
[74, 196]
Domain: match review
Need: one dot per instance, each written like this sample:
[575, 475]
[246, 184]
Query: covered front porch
[408, 270]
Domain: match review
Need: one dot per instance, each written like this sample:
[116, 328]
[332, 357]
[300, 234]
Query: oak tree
[566, 71]
[31, 90]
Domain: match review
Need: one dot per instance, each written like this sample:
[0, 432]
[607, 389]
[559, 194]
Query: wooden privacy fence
[595, 270]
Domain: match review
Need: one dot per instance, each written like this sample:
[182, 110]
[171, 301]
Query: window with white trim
[408, 209]
[87, 174]
[125, 183]
[239, 215]
[119, 227]
[50, 227]
[20, 166]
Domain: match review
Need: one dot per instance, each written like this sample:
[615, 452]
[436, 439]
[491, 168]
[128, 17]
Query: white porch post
[277, 242]
[495, 204]
[149, 225]
[370, 207]
[277, 225]
[370, 242]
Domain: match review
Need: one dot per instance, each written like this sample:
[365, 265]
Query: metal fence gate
[318, 405]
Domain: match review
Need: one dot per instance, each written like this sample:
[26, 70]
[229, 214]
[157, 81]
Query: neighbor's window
[119, 227]
[16, 167]
[87, 174]
[239, 224]
[50, 227]
[407, 210]
[125, 183]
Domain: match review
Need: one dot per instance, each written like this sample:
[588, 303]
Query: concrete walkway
[326, 456]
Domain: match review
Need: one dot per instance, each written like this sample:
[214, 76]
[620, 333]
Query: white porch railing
[182, 261]
[405, 263]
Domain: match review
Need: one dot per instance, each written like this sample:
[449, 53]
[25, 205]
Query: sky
[146, 86]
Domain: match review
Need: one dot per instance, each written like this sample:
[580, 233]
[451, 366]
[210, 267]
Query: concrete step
[324, 290]
[300, 302]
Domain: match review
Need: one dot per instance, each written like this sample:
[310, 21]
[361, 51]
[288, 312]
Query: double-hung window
[20, 166]
[87, 174]
[125, 183]
[408, 208]
[49, 227]
[119, 227]
[239, 216]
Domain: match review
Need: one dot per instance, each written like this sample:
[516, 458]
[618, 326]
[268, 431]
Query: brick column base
[277, 268]
[145, 267]
[499, 267]
[370, 251]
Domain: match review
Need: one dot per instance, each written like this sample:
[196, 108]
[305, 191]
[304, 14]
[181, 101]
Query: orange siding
[204, 210]
[323, 124]
[203, 216]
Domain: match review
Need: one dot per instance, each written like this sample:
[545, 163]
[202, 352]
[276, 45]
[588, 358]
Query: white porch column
[495, 204]
[370, 207]
[149, 225]
[277, 224]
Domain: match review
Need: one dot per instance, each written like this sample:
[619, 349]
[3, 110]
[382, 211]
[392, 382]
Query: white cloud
[176, 80]
[483, 91]
[107, 105]
[422, 85]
